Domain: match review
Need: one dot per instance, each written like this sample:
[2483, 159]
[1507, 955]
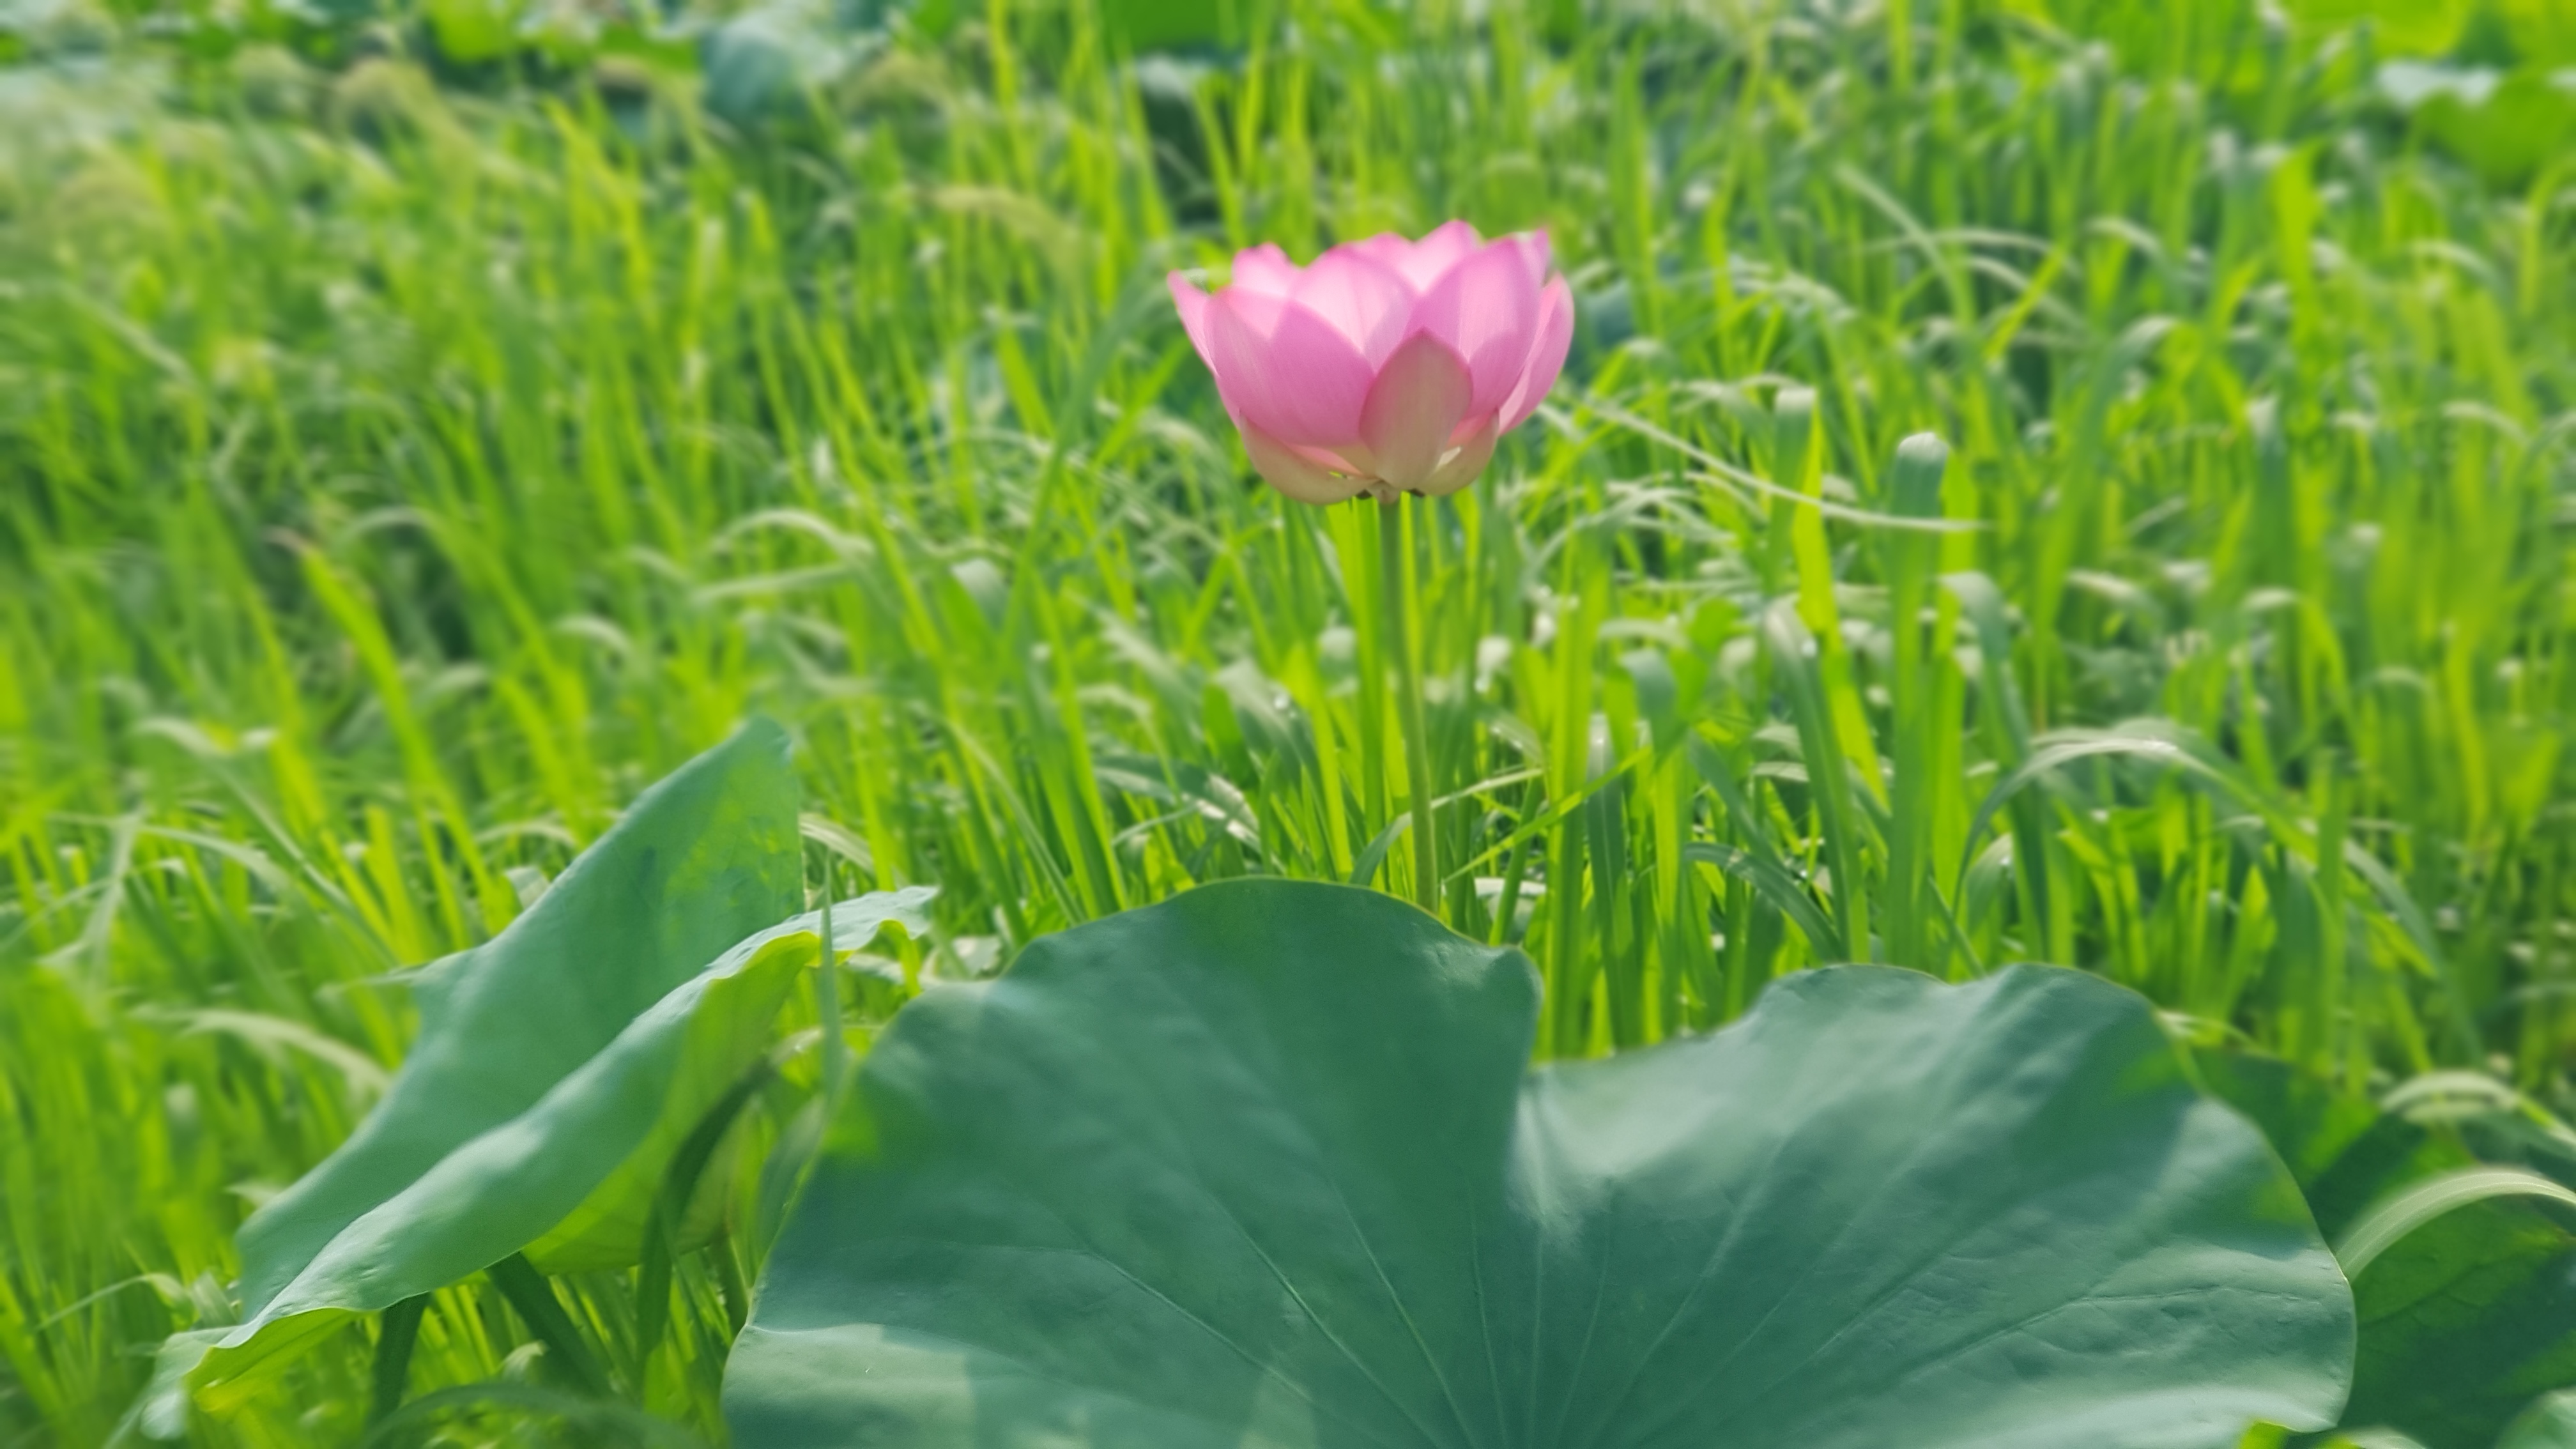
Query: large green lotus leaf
[1266, 1166]
[2548, 1424]
[692, 1047]
[569, 1024]
[702, 860]
[572, 1181]
[2346, 1153]
[2465, 1318]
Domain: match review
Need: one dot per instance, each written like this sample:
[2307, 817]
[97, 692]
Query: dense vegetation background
[419, 431]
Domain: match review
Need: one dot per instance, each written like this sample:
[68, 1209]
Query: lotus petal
[1293, 374]
[1547, 358]
[1487, 307]
[1419, 399]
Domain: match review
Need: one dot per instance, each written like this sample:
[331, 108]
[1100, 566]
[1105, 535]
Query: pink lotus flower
[1387, 366]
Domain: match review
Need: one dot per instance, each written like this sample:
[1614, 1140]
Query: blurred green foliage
[405, 456]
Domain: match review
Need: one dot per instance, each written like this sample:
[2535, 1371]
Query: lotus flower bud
[1388, 366]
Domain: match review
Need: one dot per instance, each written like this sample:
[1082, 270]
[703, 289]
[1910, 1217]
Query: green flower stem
[671, 1209]
[1408, 698]
[392, 1371]
[729, 1281]
[827, 1007]
[567, 1353]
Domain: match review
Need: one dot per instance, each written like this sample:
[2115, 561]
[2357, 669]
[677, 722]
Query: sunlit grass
[389, 493]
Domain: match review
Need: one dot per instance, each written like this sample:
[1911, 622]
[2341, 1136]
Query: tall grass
[393, 482]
